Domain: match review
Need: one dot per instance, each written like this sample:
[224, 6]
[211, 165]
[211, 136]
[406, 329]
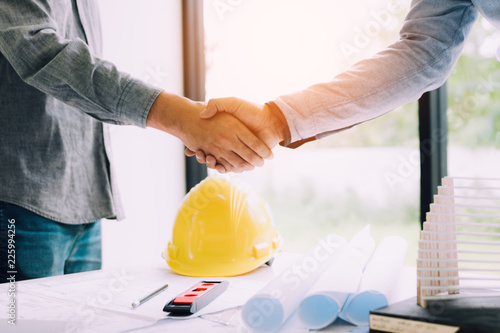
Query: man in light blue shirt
[430, 43]
[56, 181]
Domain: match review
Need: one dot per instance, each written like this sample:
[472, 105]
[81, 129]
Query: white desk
[99, 301]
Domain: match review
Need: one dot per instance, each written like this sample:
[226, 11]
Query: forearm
[173, 114]
[430, 43]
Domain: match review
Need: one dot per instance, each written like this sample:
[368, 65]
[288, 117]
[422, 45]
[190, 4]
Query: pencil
[146, 298]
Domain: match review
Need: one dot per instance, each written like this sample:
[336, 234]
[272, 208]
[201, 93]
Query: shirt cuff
[290, 141]
[136, 101]
[278, 114]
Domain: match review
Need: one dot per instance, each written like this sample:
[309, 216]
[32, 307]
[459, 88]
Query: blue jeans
[44, 247]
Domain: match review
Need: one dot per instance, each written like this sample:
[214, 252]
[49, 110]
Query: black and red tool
[196, 297]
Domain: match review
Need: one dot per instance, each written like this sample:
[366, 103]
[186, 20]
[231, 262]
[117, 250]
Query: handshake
[228, 134]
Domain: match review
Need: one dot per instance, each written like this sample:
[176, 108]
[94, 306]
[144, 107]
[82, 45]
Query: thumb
[227, 104]
[208, 113]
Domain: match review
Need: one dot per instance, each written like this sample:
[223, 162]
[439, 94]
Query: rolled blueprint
[326, 297]
[377, 282]
[273, 304]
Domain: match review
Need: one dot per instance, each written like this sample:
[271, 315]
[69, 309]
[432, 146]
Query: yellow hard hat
[221, 230]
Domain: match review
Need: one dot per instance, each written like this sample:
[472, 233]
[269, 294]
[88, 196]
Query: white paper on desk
[73, 303]
[92, 301]
[273, 304]
[326, 297]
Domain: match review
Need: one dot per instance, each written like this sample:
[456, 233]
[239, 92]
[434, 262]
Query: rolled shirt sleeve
[66, 68]
[430, 43]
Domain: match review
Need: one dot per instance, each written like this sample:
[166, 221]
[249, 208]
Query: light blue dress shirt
[54, 92]
[430, 43]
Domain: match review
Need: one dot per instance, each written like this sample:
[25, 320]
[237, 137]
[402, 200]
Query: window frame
[433, 134]
[194, 69]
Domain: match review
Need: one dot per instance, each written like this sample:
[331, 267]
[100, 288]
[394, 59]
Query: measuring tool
[196, 297]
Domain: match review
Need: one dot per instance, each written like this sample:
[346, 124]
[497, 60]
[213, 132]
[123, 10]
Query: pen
[148, 297]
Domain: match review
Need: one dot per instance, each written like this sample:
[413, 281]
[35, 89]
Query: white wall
[144, 38]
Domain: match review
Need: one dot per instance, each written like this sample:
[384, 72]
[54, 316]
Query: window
[260, 49]
[474, 106]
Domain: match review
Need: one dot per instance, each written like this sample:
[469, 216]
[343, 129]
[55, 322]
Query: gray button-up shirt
[54, 93]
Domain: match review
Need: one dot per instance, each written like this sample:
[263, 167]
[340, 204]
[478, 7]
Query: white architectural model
[459, 247]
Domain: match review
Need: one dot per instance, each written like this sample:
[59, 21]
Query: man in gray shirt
[56, 181]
